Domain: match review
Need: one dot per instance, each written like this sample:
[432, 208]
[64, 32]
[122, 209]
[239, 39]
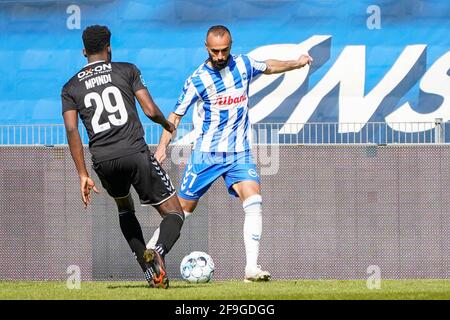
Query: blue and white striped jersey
[220, 98]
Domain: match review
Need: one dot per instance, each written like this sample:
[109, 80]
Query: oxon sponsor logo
[227, 100]
[94, 71]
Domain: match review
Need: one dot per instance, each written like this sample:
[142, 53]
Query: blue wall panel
[38, 52]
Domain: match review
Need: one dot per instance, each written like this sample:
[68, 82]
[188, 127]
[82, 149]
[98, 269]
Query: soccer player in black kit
[102, 93]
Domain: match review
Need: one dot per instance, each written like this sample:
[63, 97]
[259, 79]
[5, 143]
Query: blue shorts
[203, 168]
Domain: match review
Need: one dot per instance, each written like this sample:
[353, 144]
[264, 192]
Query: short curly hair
[96, 38]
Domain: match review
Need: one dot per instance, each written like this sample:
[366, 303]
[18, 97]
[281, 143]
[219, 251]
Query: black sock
[169, 232]
[132, 232]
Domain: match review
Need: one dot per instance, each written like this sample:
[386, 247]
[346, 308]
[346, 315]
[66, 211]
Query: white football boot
[256, 275]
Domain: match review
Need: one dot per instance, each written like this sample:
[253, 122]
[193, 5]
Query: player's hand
[86, 185]
[304, 59]
[169, 126]
[160, 154]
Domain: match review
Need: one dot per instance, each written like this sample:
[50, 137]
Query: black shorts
[140, 170]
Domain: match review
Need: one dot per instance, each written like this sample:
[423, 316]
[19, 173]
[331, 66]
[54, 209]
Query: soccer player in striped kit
[219, 91]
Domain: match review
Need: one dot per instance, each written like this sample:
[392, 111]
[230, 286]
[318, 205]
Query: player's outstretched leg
[151, 244]
[169, 232]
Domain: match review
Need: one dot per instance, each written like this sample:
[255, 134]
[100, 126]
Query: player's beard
[219, 65]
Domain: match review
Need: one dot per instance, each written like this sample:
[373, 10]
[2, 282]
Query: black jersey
[103, 94]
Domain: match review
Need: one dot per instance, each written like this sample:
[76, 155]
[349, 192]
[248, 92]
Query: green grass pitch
[228, 290]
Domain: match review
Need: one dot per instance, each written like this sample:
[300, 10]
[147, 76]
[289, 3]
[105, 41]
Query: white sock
[152, 242]
[252, 229]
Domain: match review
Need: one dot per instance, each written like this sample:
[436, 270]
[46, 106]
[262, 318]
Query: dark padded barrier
[328, 212]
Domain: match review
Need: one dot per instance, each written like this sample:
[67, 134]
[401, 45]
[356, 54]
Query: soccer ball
[197, 267]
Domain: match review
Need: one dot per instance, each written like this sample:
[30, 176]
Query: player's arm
[278, 66]
[76, 150]
[188, 98]
[166, 137]
[151, 110]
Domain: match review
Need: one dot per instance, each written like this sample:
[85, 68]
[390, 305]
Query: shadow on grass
[128, 286]
[175, 285]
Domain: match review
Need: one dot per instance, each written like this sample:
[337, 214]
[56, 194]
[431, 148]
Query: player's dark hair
[218, 30]
[96, 38]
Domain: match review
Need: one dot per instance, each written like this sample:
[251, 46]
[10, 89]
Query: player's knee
[188, 205]
[125, 204]
[252, 205]
[254, 199]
